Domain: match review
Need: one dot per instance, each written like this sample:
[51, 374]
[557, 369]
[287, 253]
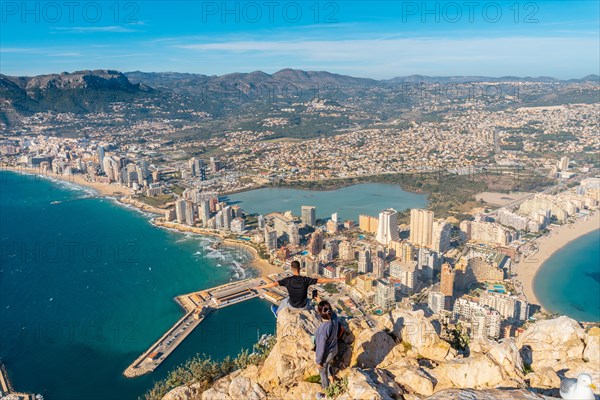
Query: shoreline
[262, 266]
[120, 193]
[528, 268]
[102, 189]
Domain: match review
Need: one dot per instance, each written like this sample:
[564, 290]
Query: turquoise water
[569, 282]
[86, 285]
[349, 202]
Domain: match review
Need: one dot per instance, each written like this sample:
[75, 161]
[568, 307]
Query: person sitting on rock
[326, 343]
[297, 287]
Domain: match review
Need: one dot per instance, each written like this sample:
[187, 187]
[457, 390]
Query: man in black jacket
[297, 287]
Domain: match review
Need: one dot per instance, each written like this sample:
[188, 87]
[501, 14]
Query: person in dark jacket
[326, 341]
[297, 287]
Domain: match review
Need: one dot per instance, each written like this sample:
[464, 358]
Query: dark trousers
[326, 372]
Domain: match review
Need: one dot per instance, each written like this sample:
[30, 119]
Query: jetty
[197, 305]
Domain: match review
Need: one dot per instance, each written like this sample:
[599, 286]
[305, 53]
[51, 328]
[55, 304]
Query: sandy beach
[528, 268]
[263, 266]
[103, 189]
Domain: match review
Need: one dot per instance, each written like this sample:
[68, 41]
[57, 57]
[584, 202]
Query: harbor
[197, 305]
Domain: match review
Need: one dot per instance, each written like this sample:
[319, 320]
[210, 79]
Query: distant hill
[78, 92]
[230, 95]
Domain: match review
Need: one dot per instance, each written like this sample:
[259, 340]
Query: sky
[373, 39]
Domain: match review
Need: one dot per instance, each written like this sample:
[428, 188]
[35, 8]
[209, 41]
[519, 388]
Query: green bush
[203, 370]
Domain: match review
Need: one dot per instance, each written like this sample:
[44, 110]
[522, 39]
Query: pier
[197, 306]
[6, 388]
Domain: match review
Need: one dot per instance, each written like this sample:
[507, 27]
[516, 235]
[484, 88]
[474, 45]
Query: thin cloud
[95, 29]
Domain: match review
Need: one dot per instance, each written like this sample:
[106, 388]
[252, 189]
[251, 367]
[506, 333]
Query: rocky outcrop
[403, 357]
[371, 346]
[292, 358]
[413, 328]
[456, 394]
[551, 342]
[591, 353]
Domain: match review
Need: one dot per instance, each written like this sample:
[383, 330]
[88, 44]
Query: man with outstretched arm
[297, 287]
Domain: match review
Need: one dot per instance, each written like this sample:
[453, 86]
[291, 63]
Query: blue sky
[377, 39]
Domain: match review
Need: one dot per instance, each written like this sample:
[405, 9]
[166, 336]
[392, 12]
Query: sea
[568, 283]
[88, 284]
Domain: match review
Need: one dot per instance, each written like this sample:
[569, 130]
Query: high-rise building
[238, 225]
[378, 267]
[385, 294]
[441, 236]
[563, 164]
[189, 213]
[368, 224]
[447, 280]
[215, 164]
[334, 218]
[509, 307]
[196, 165]
[260, 221]
[204, 212]
[227, 217]
[364, 283]
[101, 157]
[309, 215]
[436, 302]
[270, 238]
[488, 232]
[406, 273]
[364, 261]
[421, 227]
[332, 227]
[315, 244]
[346, 251]
[180, 206]
[387, 229]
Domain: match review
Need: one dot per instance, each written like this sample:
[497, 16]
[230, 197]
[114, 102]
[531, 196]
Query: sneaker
[274, 310]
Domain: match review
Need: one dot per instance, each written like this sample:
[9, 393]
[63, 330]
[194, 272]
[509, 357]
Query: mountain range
[96, 90]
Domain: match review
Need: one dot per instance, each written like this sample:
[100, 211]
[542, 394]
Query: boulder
[371, 385]
[591, 353]
[370, 347]
[415, 379]
[417, 331]
[545, 378]
[461, 394]
[292, 359]
[303, 391]
[183, 392]
[476, 372]
[548, 342]
[506, 355]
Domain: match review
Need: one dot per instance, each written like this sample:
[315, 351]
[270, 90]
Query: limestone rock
[476, 372]
[506, 355]
[243, 388]
[591, 353]
[370, 346]
[182, 392]
[548, 342]
[303, 391]
[370, 385]
[461, 394]
[415, 379]
[292, 358]
[545, 378]
[413, 328]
